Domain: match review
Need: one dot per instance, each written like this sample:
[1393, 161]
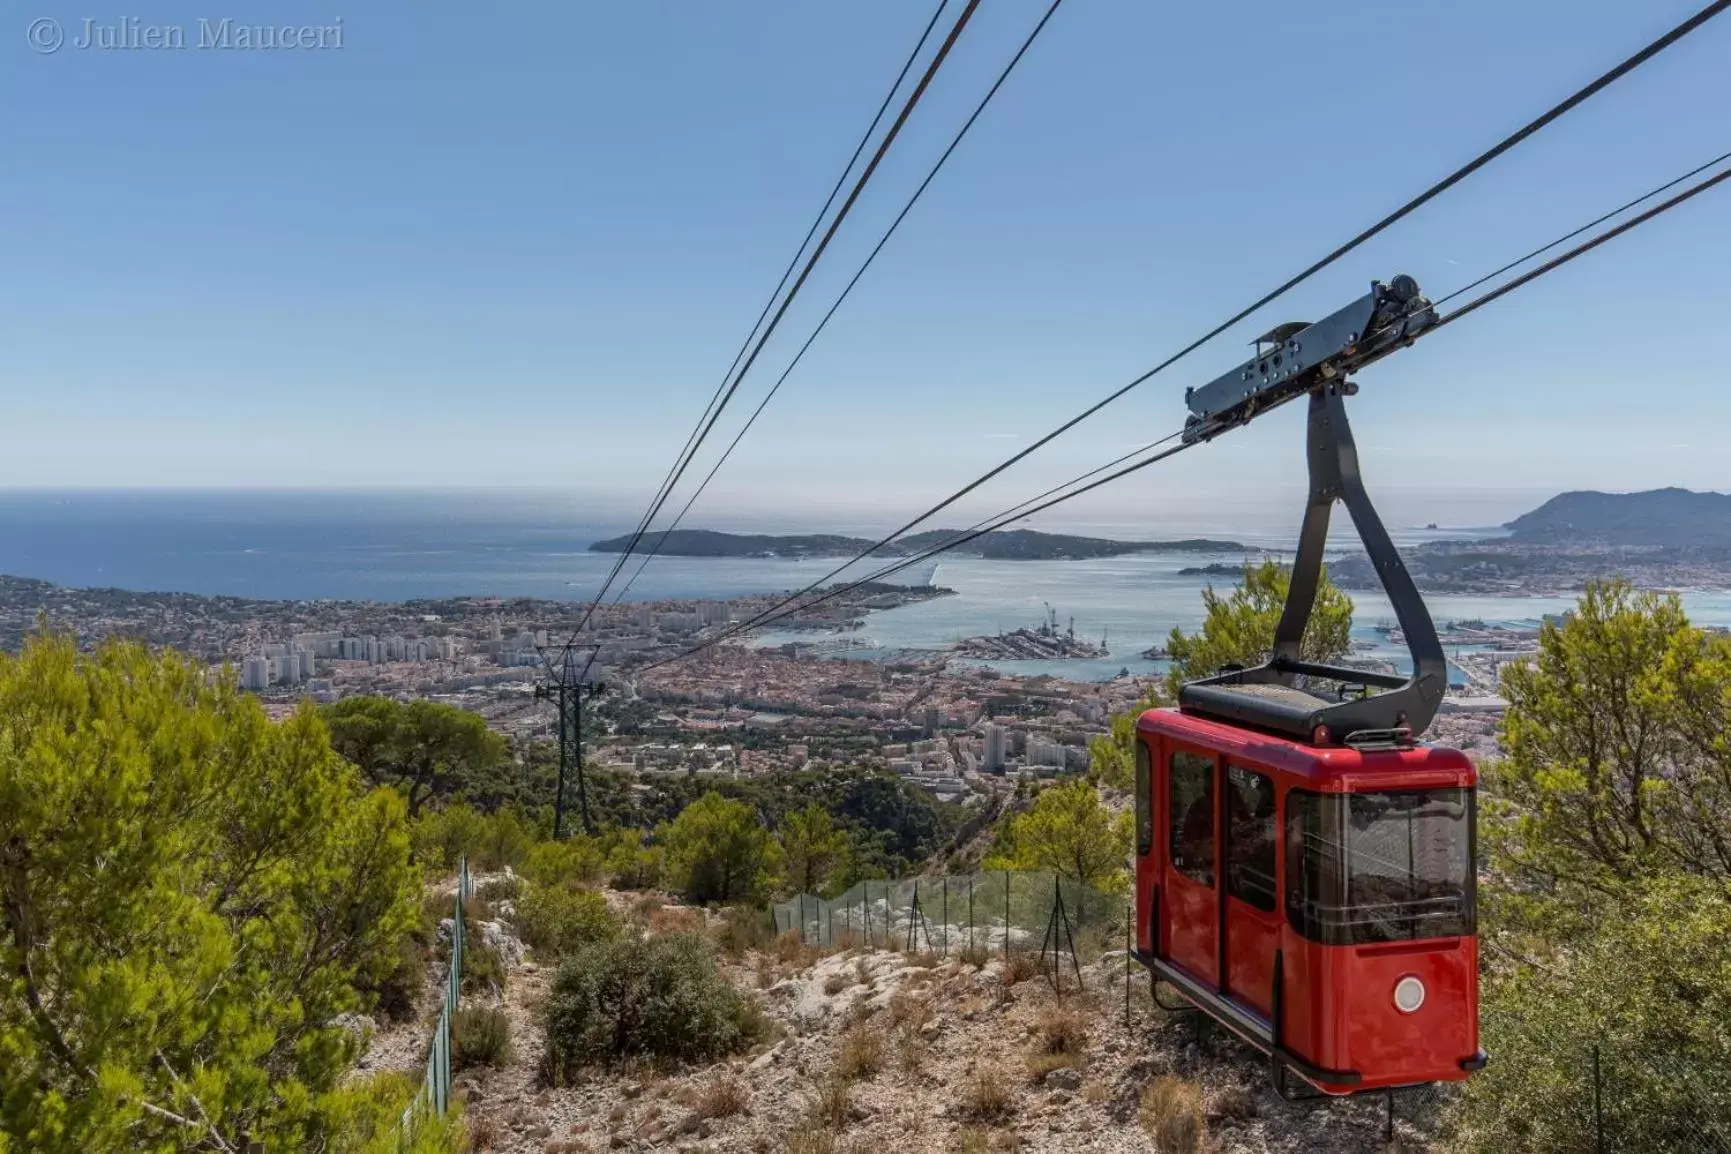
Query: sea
[400, 547]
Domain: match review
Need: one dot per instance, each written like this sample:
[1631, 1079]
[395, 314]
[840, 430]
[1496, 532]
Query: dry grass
[722, 1097]
[976, 955]
[810, 1142]
[832, 1106]
[1061, 1030]
[908, 1010]
[791, 951]
[986, 1097]
[862, 1053]
[860, 1012]
[1095, 1093]
[1019, 966]
[835, 984]
[1235, 1103]
[675, 920]
[482, 1130]
[863, 974]
[1172, 1115]
[912, 1052]
[926, 959]
[971, 1141]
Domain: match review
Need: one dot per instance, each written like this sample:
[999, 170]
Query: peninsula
[1000, 545]
[1661, 538]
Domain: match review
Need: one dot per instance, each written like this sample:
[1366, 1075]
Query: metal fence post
[1127, 967]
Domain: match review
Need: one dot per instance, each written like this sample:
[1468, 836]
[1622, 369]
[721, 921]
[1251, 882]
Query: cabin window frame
[1325, 894]
[1200, 873]
[1267, 853]
[1144, 799]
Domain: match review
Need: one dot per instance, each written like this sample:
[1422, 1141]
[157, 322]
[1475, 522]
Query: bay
[396, 547]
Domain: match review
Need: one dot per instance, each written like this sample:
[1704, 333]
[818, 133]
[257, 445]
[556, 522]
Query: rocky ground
[876, 1050]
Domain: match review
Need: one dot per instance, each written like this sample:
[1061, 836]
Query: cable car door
[1190, 906]
[1249, 821]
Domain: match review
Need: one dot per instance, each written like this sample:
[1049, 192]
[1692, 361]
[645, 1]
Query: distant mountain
[1668, 518]
[708, 543]
[1011, 545]
[1028, 545]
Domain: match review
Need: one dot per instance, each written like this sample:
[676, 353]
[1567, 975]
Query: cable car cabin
[1305, 865]
[1318, 901]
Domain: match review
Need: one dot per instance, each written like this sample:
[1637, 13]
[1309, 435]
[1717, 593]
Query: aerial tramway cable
[762, 338]
[1581, 249]
[1591, 224]
[660, 540]
[1047, 500]
[1556, 111]
[793, 261]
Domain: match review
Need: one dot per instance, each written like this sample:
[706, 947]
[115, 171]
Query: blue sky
[476, 247]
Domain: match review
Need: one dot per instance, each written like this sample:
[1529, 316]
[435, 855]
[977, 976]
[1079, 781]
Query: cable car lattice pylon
[564, 685]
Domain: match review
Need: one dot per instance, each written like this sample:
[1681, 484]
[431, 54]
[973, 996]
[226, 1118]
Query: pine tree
[812, 847]
[190, 895]
[718, 851]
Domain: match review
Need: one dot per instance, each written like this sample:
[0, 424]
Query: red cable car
[1305, 866]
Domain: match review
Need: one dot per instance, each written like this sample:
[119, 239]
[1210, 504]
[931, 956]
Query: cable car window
[1379, 867]
[1250, 829]
[1144, 799]
[1192, 816]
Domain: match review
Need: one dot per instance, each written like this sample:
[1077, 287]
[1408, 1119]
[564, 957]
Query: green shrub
[630, 864]
[365, 1113]
[559, 920]
[394, 992]
[576, 861]
[743, 928]
[661, 999]
[482, 1037]
[435, 908]
[496, 890]
[440, 837]
[1651, 988]
[506, 839]
[483, 968]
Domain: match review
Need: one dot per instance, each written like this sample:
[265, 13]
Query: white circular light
[1408, 995]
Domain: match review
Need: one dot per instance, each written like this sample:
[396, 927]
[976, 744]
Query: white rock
[768, 1058]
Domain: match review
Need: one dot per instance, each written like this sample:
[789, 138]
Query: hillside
[1011, 545]
[1666, 518]
[871, 1048]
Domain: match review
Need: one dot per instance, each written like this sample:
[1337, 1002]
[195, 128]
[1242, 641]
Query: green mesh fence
[1556, 1085]
[995, 910]
[434, 1096]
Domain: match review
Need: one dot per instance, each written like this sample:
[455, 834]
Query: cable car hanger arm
[1296, 358]
[1292, 360]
